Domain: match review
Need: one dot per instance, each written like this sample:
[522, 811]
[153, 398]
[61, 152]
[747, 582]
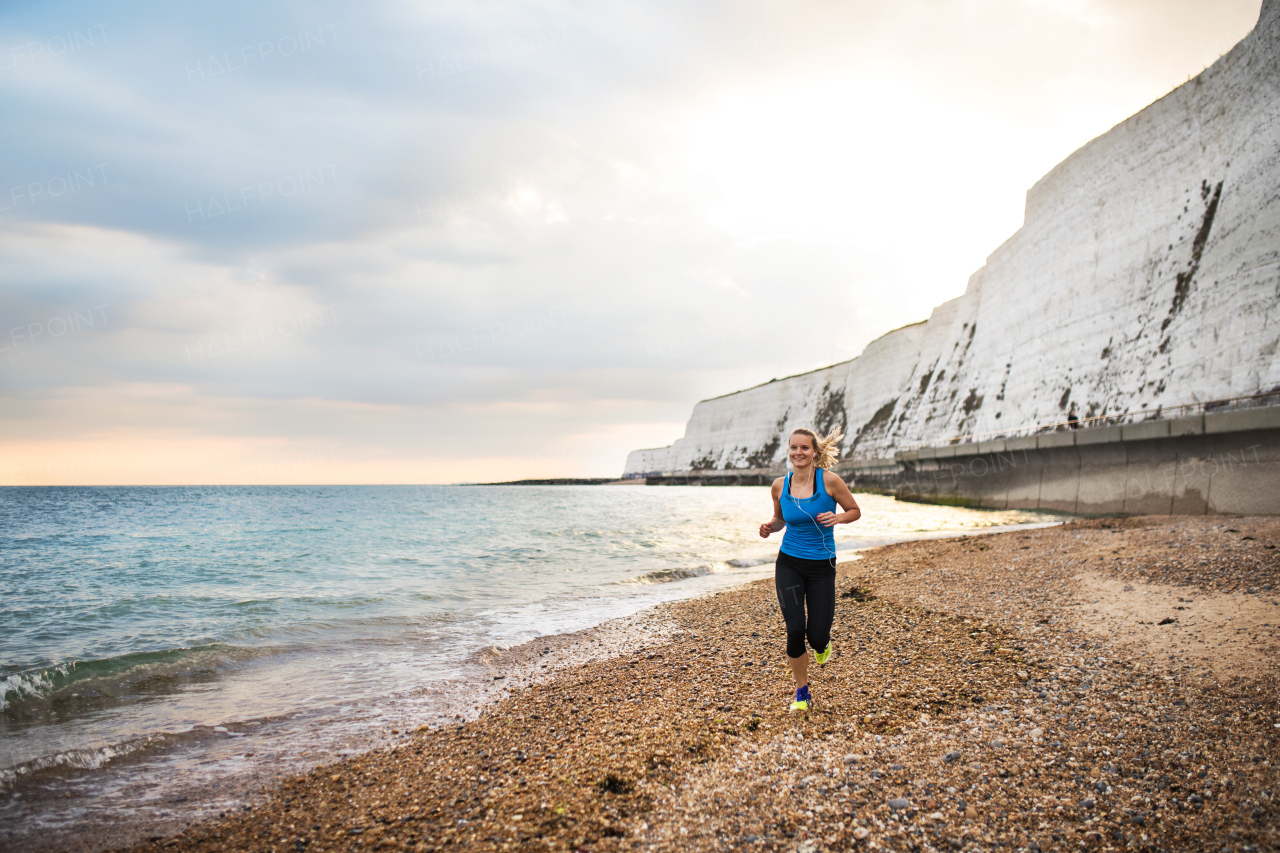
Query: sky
[394, 242]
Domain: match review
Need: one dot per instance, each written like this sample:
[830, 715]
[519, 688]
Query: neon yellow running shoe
[803, 700]
[823, 656]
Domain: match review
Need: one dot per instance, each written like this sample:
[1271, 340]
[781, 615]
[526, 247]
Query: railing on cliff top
[1231, 404]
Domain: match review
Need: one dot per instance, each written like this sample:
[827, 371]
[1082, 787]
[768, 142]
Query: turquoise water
[155, 639]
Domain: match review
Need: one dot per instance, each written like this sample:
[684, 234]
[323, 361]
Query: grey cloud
[408, 216]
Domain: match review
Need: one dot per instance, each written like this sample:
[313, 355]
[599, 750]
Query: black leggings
[800, 581]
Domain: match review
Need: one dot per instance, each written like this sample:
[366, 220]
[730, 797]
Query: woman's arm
[838, 490]
[776, 523]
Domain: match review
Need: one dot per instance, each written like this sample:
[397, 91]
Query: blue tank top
[805, 537]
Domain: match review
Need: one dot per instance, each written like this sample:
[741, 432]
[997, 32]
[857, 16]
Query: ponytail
[827, 449]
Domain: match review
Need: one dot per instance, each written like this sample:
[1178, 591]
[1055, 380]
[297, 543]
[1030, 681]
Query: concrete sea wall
[1207, 464]
[1146, 274]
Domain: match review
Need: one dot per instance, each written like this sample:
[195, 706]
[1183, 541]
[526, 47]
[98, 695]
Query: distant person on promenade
[804, 502]
[1072, 421]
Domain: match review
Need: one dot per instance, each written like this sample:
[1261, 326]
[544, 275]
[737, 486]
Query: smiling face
[801, 450]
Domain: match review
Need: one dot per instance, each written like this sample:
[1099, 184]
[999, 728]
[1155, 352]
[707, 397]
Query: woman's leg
[799, 668]
[821, 595]
[791, 598]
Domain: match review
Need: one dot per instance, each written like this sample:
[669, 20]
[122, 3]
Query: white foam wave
[676, 574]
[748, 562]
[23, 686]
[91, 758]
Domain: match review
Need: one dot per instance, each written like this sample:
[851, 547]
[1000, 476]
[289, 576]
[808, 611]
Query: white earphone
[796, 501]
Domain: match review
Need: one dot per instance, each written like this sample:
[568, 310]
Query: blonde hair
[828, 449]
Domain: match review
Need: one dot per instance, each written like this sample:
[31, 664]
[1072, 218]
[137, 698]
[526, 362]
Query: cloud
[417, 230]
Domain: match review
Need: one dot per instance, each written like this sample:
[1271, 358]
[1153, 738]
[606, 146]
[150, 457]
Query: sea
[166, 653]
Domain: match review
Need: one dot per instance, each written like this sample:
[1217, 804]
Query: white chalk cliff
[1146, 273]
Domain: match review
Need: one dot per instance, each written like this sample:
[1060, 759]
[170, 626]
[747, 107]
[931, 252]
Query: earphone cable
[796, 501]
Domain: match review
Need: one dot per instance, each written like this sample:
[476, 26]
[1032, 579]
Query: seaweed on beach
[859, 594]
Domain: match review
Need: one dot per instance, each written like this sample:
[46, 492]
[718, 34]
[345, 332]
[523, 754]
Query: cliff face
[1146, 273]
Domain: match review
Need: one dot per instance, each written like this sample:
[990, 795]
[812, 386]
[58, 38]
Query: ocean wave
[676, 574]
[748, 562]
[94, 758]
[38, 770]
[93, 682]
[33, 685]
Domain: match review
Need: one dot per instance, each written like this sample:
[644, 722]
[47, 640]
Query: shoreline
[967, 706]
[566, 481]
[493, 672]
[157, 787]
[631, 669]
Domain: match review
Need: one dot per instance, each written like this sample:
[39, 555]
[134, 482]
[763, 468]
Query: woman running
[804, 502]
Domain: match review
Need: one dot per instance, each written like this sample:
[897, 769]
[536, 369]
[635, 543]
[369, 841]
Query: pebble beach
[1102, 684]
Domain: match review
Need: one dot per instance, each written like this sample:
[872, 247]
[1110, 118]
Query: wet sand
[1013, 690]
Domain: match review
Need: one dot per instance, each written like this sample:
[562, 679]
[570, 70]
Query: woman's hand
[766, 529]
[827, 519]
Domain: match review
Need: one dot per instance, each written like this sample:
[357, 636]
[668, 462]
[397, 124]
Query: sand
[1009, 691]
